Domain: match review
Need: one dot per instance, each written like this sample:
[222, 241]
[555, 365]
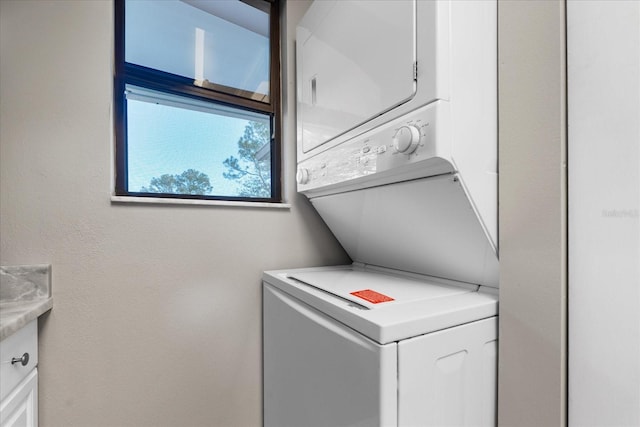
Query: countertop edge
[14, 322]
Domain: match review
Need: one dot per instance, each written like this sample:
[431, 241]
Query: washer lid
[374, 290]
[359, 297]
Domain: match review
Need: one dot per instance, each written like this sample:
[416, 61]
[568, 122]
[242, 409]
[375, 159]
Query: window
[196, 93]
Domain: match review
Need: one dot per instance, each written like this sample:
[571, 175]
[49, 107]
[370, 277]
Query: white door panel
[449, 378]
[318, 372]
[346, 76]
[20, 407]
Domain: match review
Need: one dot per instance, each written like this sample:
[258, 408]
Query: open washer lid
[385, 307]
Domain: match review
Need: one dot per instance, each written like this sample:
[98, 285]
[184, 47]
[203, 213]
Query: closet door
[603, 67]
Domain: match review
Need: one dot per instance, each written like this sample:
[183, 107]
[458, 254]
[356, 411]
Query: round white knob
[406, 139]
[302, 176]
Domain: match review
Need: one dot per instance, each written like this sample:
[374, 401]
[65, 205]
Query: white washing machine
[397, 151]
[355, 346]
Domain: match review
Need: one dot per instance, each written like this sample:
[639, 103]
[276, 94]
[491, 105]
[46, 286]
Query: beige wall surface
[533, 264]
[157, 309]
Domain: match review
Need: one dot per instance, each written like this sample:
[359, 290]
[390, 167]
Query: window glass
[196, 99]
[178, 145]
[220, 44]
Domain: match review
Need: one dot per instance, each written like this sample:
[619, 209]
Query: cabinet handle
[22, 360]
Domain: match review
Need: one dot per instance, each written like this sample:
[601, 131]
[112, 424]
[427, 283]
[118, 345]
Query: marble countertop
[25, 294]
[14, 316]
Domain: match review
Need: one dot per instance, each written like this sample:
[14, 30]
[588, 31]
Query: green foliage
[190, 181]
[254, 173]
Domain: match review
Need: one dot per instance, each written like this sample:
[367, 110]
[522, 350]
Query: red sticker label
[372, 296]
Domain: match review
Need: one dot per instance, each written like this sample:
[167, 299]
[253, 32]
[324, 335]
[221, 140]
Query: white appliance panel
[416, 313]
[474, 106]
[454, 108]
[344, 283]
[371, 159]
[425, 226]
[348, 74]
[448, 378]
[400, 161]
[319, 373]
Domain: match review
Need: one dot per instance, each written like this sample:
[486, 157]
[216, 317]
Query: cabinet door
[355, 60]
[449, 378]
[20, 408]
[23, 341]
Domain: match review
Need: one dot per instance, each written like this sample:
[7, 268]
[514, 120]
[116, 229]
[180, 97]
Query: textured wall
[156, 318]
[532, 129]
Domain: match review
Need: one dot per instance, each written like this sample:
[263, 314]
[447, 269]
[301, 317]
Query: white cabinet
[19, 378]
[20, 408]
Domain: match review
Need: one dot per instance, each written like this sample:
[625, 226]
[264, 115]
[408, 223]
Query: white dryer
[397, 151]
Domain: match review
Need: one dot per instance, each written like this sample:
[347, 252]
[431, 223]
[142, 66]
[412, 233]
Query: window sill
[228, 203]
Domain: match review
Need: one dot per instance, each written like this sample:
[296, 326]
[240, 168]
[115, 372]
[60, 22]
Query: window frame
[161, 81]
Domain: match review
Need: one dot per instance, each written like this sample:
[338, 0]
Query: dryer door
[318, 372]
[355, 60]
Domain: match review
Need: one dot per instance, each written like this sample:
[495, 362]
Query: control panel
[414, 138]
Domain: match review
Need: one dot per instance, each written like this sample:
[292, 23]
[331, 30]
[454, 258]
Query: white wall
[604, 202]
[156, 318]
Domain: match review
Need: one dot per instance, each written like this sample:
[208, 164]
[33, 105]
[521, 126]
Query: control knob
[302, 176]
[406, 139]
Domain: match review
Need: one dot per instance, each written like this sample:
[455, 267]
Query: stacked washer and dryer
[397, 151]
